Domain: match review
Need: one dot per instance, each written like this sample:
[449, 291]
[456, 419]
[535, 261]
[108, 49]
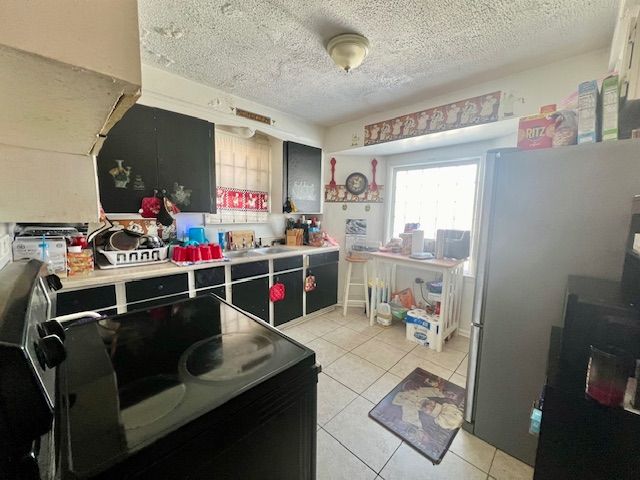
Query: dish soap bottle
[45, 257]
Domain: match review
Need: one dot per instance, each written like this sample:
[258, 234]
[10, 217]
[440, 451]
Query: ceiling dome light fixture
[348, 50]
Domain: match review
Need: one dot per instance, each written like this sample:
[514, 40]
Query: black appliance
[191, 389]
[30, 348]
[579, 438]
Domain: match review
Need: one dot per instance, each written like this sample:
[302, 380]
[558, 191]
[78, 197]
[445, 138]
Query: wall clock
[356, 183]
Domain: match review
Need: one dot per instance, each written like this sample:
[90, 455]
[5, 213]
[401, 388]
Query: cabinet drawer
[156, 287]
[209, 277]
[87, 299]
[220, 291]
[154, 302]
[252, 269]
[323, 258]
[287, 263]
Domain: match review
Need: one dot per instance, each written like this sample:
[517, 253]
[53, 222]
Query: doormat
[425, 411]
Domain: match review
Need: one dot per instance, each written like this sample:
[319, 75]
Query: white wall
[538, 86]
[334, 218]
[169, 91]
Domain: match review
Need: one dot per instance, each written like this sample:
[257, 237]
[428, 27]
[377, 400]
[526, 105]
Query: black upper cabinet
[303, 176]
[185, 161]
[127, 164]
[152, 149]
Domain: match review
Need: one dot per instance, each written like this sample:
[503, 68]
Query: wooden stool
[348, 284]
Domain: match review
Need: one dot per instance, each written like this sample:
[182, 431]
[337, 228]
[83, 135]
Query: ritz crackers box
[536, 131]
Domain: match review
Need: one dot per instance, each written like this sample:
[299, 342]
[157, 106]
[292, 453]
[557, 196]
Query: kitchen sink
[244, 253]
[268, 250]
[257, 252]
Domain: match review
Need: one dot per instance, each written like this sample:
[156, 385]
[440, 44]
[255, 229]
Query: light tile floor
[360, 365]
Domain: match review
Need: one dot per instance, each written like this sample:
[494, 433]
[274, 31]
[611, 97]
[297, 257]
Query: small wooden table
[384, 267]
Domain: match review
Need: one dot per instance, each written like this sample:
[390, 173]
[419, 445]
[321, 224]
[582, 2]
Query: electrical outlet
[419, 280]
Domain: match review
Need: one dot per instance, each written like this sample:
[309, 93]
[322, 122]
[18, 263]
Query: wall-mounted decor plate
[356, 183]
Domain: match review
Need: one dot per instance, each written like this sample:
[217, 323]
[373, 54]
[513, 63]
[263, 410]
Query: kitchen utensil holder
[127, 258]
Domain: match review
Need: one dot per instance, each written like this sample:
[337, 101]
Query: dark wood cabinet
[156, 291]
[302, 176]
[326, 291]
[291, 307]
[149, 149]
[92, 299]
[252, 296]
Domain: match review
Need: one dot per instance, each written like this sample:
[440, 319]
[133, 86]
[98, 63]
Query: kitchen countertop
[123, 274]
[443, 263]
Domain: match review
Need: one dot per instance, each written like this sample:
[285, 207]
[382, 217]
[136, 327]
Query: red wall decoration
[240, 199]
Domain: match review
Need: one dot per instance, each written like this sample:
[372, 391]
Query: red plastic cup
[179, 254]
[193, 254]
[205, 252]
[216, 251]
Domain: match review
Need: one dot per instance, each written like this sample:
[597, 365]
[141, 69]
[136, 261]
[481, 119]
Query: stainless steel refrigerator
[544, 215]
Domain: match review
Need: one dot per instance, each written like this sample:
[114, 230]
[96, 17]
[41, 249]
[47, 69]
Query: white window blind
[437, 197]
[243, 177]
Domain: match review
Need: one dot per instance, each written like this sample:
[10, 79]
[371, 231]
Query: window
[243, 170]
[438, 196]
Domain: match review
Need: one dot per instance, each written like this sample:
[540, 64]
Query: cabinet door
[93, 299]
[185, 161]
[303, 176]
[127, 163]
[252, 296]
[326, 291]
[291, 307]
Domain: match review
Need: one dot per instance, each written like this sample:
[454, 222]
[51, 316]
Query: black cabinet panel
[219, 291]
[326, 292]
[323, 258]
[149, 149]
[303, 176]
[185, 161]
[291, 307]
[156, 302]
[287, 263]
[156, 287]
[86, 299]
[252, 296]
[251, 269]
[127, 171]
[209, 277]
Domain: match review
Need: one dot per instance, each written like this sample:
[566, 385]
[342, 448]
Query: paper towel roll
[417, 242]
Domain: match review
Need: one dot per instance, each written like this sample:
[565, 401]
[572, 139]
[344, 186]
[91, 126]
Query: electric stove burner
[228, 356]
[147, 400]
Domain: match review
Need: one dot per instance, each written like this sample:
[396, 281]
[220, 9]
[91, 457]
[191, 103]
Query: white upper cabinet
[69, 69]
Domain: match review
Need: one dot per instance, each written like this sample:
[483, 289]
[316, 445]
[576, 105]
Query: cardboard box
[536, 131]
[29, 247]
[588, 112]
[610, 102]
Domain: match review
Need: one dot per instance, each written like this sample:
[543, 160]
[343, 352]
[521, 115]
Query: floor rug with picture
[424, 410]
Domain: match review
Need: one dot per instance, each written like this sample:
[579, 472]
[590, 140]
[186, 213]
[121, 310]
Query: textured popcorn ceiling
[272, 51]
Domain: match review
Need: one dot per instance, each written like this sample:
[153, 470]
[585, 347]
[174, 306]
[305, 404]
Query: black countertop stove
[130, 380]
